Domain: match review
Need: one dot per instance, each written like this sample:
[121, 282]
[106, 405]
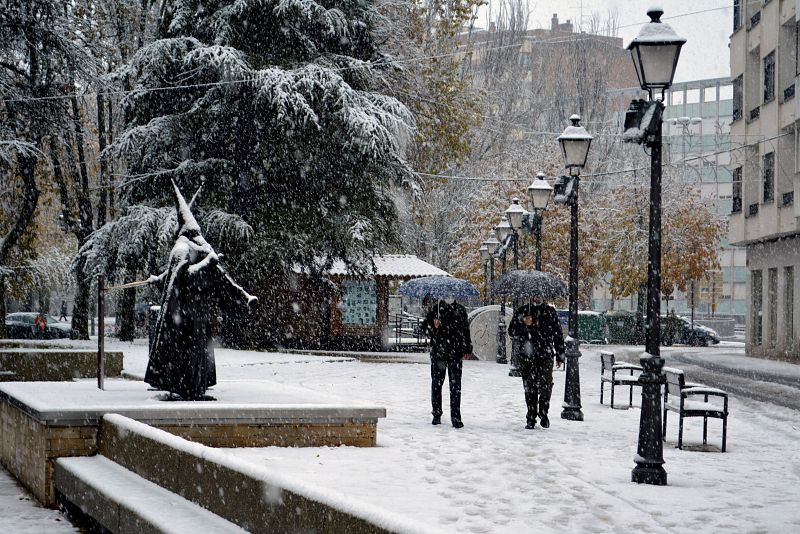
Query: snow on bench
[681, 397]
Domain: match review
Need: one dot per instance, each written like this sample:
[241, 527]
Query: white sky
[705, 55]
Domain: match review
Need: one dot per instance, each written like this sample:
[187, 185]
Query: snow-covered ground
[21, 514]
[495, 476]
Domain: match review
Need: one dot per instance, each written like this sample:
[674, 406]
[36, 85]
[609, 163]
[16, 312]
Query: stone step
[123, 502]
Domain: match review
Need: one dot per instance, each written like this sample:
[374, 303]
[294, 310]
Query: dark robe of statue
[195, 284]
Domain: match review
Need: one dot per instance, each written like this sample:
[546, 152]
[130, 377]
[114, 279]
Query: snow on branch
[329, 22]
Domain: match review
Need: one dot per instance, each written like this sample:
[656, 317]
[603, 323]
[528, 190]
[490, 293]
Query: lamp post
[514, 215]
[575, 142]
[540, 192]
[503, 233]
[655, 54]
[488, 250]
[520, 219]
[484, 252]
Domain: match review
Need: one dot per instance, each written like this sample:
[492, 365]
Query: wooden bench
[617, 374]
[681, 397]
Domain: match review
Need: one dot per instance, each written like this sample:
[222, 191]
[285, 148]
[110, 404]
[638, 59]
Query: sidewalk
[21, 514]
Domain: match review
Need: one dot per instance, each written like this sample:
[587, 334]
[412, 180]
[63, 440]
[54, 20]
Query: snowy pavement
[494, 476]
[21, 514]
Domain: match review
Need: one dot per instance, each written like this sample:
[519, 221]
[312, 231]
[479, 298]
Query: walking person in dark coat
[63, 311]
[536, 328]
[448, 329]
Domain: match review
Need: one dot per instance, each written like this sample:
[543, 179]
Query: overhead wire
[412, 60]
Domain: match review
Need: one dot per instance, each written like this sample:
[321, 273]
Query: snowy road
[725, 366]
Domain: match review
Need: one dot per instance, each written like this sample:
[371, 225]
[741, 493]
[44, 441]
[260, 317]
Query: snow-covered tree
[39, 59]
[271, 107]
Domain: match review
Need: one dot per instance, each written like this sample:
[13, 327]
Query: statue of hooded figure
[182, 356]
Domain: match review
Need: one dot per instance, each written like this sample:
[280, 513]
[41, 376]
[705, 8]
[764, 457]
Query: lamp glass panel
[540, 196]
[658, 64]
[575, 151]
[501, 232]
[514, 216]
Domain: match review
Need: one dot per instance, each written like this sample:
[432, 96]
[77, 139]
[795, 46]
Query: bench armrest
[703, 391]
[618, 366]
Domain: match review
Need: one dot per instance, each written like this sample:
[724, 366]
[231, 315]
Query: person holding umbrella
[448, 329]
[535, 326]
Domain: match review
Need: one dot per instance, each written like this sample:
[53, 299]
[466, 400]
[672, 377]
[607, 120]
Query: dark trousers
[453, 369]
[537, 380]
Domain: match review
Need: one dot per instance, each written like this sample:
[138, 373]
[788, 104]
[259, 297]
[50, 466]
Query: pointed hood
[187, 224]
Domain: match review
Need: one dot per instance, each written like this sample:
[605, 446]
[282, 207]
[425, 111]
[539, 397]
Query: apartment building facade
[698, 145]
[765, 218]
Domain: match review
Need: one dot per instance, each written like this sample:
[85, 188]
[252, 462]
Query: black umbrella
[529, 284]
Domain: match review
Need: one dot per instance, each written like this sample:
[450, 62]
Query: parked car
[678, 329]
[22, 325]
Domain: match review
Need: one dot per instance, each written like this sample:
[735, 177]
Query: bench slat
[679, 397]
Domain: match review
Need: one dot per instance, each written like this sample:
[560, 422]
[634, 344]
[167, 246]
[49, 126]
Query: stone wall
[310, 434]
[55, 365]
[30, 445]
[219, 484]
[28, 448]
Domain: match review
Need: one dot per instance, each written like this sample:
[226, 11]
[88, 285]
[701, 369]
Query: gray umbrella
[530, 283]
[438, 287]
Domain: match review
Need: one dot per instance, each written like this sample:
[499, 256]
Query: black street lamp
[575, 142]
[521, 219]
[484, 251]
[655, 54]
[540, 192]
[504, 236]
[488, 250]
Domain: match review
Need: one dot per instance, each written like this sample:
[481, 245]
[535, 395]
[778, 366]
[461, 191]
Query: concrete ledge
[43, 421]
[55, 364]
[123, 502]
[245, 494]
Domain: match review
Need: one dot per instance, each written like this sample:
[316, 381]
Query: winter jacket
[451, 341]
[544, 337]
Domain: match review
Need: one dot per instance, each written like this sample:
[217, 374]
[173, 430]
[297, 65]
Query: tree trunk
[126, 312]
[80, 308]
[80, 314]
[101, 144]
[2, 305]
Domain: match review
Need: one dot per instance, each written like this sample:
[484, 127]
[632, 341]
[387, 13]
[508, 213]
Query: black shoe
[437, 420]
[545, 422]
[458, 424]
[531, 426]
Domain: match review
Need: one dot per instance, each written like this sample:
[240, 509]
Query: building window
[737, 190]
[756, 292]
[737, 98]
[769, 177]
[737, 14]
[797, 49]
[788, 307]
[769, 77]
[772, 304]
